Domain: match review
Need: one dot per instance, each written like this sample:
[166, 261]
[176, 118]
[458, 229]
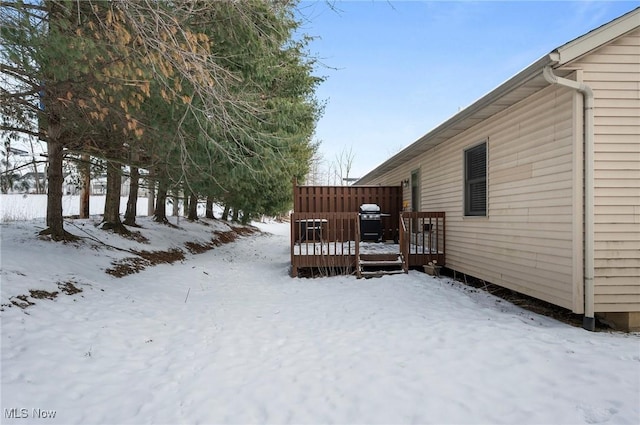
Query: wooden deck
[329, 242]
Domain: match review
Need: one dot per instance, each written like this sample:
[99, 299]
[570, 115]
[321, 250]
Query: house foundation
[629, 322]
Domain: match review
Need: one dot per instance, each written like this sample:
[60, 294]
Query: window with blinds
[475, 180]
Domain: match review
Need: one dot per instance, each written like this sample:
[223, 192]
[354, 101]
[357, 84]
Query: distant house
[99, 186]
[71, 184]
[29, 182]
[540, 178]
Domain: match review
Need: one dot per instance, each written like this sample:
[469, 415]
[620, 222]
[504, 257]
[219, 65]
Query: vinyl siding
[526, 242]
[613, 72]
[532, 238]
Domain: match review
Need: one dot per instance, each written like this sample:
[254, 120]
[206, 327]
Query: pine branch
[8, 128]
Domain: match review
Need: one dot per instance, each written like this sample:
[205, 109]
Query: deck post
[357, 251]
[294, 266]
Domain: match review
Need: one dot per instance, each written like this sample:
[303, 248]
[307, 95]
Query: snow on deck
[349, 248]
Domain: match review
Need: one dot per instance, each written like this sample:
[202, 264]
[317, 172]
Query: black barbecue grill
[370, 223]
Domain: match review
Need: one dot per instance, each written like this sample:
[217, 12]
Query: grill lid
[370, 208]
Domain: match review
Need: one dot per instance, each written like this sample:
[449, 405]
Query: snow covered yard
[225, 336]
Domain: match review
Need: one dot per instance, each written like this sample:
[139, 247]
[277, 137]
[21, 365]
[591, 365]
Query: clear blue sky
[397, 69]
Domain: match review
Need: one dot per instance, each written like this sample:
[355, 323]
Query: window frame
[470, 182]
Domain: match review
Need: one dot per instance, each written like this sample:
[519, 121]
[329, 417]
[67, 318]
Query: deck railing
[326, 241]
[422, 238]
[403, 241]
[329, 242]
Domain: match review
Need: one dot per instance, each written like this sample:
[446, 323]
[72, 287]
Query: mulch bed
[131, 265]
[144, 259]
[25, 301]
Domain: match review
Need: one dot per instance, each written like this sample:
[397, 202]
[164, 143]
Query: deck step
[379, 273]
[379, 257]
[381, 263]
[376, 265]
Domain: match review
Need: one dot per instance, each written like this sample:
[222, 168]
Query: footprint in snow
[596, 415]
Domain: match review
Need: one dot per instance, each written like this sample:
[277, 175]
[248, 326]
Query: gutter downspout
[588, 321]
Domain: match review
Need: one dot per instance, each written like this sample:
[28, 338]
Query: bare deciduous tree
[343, 165]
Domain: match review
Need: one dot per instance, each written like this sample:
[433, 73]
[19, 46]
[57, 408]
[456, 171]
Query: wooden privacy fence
[347, 199]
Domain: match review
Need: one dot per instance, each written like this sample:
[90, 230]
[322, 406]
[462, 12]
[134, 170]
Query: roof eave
[461, 121]
[489, 104]
[592, 40]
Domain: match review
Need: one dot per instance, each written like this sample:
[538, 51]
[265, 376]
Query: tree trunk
[150, 196]
[176, 203]
[39, 184]
[132, 201]
[85, 188]
[55, 222]
[111, 218]
[209, 208]
[39, 188]
[160, 214]
[193, 207]
[185, 205]
[225, 213]
[49, 122]
[235, 215]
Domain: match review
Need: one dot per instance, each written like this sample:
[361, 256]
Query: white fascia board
[598, 37]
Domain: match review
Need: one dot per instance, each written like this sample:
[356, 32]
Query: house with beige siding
[540, 178]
